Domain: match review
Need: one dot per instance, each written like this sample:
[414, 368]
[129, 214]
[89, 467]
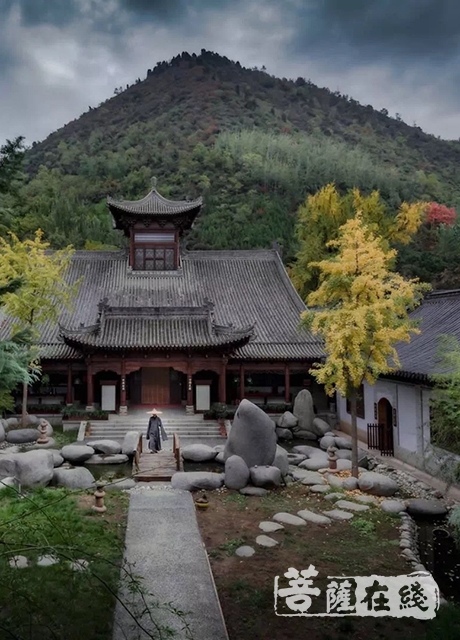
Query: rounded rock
[266, 477]
[105, 446]
[198, 453]
[22, 436]
[431, 508]
[236, 473]
[245, 551]
[77, 453]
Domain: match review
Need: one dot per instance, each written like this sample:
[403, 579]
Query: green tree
[445, 398]
[43, 291]
[363, 312]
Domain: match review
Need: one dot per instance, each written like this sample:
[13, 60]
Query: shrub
[40, 408]
[95, 414]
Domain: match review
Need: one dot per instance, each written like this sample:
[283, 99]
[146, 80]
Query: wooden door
[155, 386]
[385, 416]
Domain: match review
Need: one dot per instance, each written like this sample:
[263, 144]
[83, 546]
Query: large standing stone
[80, 478]
[77, 453]
[191, 480]
[198, 453]
[34, 468]
[236, 473]
[421, 507]
[320, 427]
[303, 410]
[287, 420]
[281, 460]
[22, 436]
[109, 458]
[284, 434]
[130, 442]
[266, 477]
[105, 446]
[377, 484]
[310, 516]
[252, 436]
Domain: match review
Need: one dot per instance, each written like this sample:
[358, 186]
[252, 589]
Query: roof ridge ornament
[153, 182]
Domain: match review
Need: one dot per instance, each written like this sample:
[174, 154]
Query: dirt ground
[366, 545]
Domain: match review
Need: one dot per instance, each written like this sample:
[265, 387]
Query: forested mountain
[253, 145]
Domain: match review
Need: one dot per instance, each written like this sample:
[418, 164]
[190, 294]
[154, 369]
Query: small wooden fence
[380, 436]
[161, 466]
[176, 451]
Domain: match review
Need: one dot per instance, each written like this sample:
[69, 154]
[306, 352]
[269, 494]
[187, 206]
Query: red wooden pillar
[241, 382]
[89, 387]
[287, 384]
[223, 383]
[123, 405]
[69, 395]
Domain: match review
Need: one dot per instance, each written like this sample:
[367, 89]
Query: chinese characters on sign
[415, 595]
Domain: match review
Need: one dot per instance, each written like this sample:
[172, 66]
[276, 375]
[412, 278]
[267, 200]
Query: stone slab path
[164, 543]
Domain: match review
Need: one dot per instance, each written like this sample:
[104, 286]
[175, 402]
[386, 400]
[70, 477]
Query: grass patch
[55, 601]
[231, 546]
[365, 527]
[237, 498]
[64, 437]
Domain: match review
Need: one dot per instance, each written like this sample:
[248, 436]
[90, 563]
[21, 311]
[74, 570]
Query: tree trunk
[25, 390]
[354, 434]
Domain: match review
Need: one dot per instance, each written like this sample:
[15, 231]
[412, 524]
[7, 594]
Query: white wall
[411, 432]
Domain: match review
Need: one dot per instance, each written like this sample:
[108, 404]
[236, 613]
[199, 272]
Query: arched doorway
[385, 421]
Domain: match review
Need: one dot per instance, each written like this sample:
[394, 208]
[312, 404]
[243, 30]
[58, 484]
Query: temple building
[158, 325]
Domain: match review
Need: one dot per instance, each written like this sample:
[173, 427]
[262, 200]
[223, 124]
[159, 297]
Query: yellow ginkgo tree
[361, 313]
[43, 293]
[322, 215]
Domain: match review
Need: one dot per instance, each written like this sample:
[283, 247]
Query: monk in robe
[155, 431]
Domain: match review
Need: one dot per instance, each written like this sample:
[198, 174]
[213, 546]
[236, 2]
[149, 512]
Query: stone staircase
[191, 429]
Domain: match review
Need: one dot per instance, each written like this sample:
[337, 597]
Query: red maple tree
[438, 214]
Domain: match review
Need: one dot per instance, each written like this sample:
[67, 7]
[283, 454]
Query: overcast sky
[57, 57]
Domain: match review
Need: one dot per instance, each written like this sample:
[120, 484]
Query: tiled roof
[246, 288]
[439, 314]
[154, 203]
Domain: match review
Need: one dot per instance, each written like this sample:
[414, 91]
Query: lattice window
[155, 251]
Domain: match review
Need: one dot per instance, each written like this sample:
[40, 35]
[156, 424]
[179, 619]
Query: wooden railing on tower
[176, 451]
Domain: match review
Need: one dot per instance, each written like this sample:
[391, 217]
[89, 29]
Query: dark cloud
[54, 12]
[407, 30]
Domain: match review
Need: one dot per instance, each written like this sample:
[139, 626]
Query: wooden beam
[69, 395]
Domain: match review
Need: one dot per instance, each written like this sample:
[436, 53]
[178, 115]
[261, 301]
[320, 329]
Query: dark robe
[154, 430]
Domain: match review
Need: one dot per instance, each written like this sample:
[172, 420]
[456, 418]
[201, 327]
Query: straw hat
[155, 412]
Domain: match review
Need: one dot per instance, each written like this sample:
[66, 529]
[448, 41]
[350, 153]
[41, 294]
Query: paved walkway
[164, 542]
[452, 493]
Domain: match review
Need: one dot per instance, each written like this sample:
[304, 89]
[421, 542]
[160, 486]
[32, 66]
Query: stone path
[164, 543]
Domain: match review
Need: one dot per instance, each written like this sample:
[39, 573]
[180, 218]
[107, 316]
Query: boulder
[130, 442]
[296, 458]
[303, 434]
[191, 480]
[58, 460]
[219, 448]
[31, 469]
[2, 432]
[320, 427]
[105, 446]
[377, 484]
[252, 436]
[22, 436]
[343, 454]
[12, 423]
[287, 420]
[257, 492]
[315, 463]
[79, 478]
[303, 411]
[31, 421]
[350, 484]
[281, 460]
[392, 506]
[326, 442]
[284, 434]
[107, 458]
[198, 453]
[220, 458]
[236, 473]
[10, 482]
[430, 508]
[266, 477]
[77, 453]
[334, 481]
[342, 443]
[306, 450]
[313, 478]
